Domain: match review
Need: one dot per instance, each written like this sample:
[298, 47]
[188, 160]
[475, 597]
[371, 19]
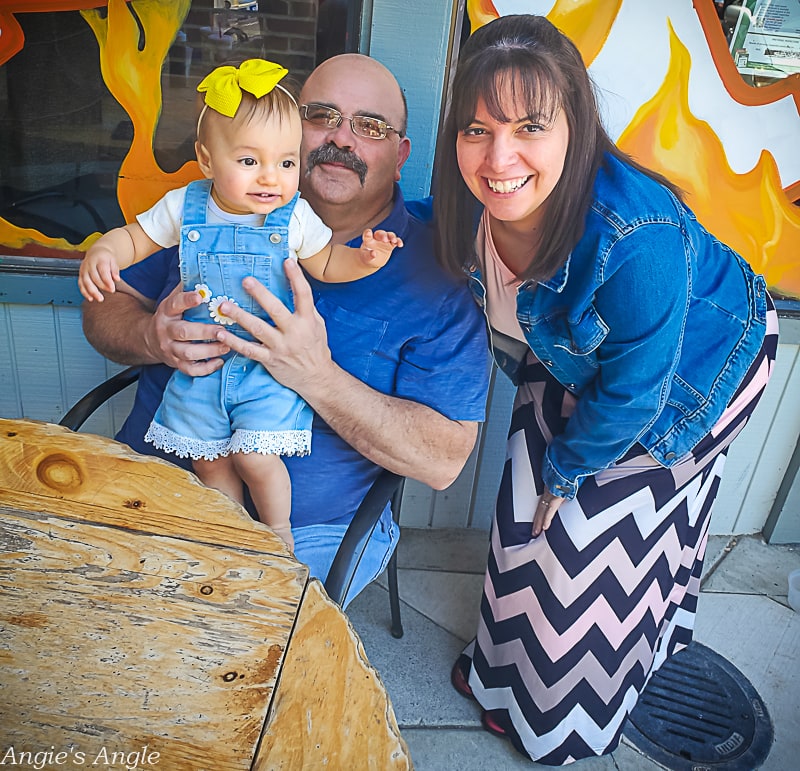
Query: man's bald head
[347, 177]
[355, 70]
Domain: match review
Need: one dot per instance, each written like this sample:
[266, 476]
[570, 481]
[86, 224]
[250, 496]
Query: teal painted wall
[412, 39]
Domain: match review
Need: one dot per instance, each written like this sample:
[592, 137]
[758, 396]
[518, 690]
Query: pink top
[501, 284]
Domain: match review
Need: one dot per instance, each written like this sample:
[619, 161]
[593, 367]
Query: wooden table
[147, 620]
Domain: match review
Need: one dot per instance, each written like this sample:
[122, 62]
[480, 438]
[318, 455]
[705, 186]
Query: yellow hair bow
[223, 86]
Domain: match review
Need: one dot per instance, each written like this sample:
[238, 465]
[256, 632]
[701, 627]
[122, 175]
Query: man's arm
[128, 329]
[406, 437]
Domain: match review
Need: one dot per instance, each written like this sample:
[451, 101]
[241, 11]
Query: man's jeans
[316, 546]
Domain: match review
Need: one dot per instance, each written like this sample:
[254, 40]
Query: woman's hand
[545, 511]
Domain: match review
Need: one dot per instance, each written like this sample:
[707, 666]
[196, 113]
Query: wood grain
[147, 621]
[137, 608]
[342, 717]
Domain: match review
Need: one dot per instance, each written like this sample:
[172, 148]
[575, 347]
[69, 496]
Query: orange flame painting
[741, 182]
[132, 48]
[671, 95]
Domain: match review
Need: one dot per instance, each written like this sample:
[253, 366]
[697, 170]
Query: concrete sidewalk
[743, 615]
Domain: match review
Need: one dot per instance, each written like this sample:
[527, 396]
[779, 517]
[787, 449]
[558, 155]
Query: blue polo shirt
[408, 330]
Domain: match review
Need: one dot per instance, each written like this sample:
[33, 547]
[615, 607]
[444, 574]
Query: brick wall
[289, 29]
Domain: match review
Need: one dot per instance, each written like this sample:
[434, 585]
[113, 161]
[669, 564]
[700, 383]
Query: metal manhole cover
[699, 712]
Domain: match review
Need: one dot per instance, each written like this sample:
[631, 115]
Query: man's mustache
[330, 153]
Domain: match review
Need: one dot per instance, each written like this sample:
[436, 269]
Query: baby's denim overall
[241, 407]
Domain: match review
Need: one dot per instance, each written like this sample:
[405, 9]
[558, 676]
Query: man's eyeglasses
[361, 125]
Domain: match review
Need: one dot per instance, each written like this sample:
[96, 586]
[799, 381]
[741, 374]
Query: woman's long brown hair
[545, 72]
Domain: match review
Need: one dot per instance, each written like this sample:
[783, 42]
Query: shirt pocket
[354, 339]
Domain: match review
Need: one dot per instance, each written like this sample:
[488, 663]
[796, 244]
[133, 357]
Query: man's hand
[125, 328]
[295, 350]
[401, 435]
[185, 345]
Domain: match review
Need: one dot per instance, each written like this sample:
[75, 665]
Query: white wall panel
[36, 358]
[10, 397]
[760, 455]
[46, 365]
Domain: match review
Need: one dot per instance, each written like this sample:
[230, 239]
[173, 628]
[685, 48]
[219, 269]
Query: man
[395, 365]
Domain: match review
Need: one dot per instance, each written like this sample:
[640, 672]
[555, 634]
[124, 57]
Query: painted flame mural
[134, 78]
[670, 92]
[133, 47]
[674, 100]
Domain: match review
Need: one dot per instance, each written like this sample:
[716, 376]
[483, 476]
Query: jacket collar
[558, 280]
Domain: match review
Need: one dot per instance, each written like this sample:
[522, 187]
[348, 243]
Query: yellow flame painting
[750, 211]
[133, 77]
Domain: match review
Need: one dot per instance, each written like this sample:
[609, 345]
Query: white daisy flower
[217, 314]
[204, 291]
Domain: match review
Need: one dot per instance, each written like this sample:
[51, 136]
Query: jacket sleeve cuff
[558, 484]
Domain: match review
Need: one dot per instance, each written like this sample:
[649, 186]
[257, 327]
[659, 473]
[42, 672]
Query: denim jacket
[651, 323]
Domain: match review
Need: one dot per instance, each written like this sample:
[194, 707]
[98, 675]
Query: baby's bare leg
[269, 485]
[221, 474]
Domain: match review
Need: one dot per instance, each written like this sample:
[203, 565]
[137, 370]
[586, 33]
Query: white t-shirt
[308, 234]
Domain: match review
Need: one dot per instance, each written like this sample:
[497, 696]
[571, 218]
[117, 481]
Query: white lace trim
[263, 442]
[185, 446]
[272, 442]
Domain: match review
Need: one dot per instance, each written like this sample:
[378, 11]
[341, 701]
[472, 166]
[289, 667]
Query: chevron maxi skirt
[574, 622]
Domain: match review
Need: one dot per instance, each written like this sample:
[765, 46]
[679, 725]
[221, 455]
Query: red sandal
[490, 723]
[459, 679]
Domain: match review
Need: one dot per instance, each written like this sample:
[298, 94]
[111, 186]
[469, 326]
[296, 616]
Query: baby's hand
[99, 270]
[377, 247]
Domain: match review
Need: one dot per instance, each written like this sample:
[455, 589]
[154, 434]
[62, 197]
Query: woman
[640, 345]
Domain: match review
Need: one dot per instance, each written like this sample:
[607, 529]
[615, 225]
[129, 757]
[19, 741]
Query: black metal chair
[388, 486]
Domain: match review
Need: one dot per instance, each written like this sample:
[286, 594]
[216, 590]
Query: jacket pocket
[580, 337]
[683, 397]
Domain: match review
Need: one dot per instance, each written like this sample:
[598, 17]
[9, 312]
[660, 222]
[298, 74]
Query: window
[83, 148]
[763, 37]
